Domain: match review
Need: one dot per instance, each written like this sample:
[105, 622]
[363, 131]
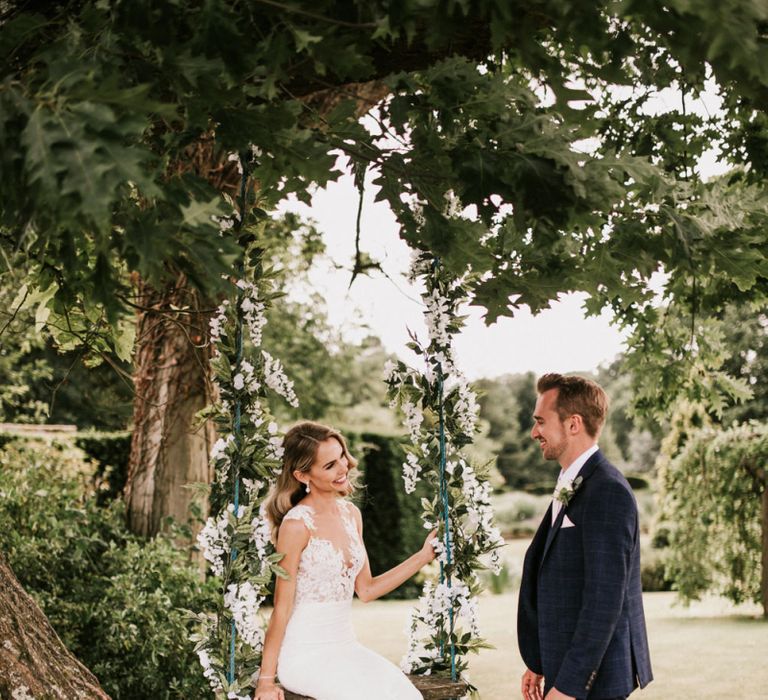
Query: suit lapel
[585, 472]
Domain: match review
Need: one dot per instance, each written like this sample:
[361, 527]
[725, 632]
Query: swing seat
[430, 687]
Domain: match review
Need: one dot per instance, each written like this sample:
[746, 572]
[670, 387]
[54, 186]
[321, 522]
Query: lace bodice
[324, 575]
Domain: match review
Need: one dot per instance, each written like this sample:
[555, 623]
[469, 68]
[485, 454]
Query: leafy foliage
[440, 412]
[113, 598]
[712, 493]
[393, 526]
[507, 403]
[116, 120]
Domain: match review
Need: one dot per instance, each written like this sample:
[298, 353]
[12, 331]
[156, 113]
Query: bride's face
[330, 468]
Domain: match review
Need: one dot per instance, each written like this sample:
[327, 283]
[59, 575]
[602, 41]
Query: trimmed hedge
[392, 519]
[111, 452]
[393, 529]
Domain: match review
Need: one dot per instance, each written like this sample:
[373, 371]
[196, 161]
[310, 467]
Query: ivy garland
[440, 411]
[245, 461]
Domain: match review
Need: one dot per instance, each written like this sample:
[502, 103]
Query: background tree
[117, 121]
[93, 90]
[33, 653]
[747, 336]
[715, 496]
[507, 404]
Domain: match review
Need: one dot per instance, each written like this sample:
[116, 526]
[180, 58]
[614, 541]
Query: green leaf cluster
[117, 120]
[712, 494]
[113, 598]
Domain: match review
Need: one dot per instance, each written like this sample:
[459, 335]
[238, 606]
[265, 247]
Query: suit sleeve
[527, 620]
[608, 532]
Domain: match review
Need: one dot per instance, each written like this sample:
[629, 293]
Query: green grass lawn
[710, 650]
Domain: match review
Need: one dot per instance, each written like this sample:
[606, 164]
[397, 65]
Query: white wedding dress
[320, 656]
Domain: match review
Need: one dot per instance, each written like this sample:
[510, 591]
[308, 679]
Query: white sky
[559, 339]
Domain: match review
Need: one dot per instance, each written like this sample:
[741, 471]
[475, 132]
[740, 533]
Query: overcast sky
[559, 339]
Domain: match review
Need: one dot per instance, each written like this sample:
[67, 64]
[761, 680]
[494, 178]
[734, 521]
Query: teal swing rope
[238, 407]
[446, 506]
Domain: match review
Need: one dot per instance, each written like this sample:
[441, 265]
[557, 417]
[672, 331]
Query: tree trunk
[34, 663]
[764, 579]
[170, 446]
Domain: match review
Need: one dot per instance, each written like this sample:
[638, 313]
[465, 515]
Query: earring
[307, 485]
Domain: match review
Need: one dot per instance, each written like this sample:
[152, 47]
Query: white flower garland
[451, 604]
[236, 542]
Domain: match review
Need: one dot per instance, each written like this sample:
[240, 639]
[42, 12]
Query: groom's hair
[577, 395]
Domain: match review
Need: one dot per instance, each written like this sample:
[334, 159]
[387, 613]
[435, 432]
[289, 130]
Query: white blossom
[22, 693]
[225, 223]
[253, 310]
[438, 316]
[261, 534]
[413, 419]
[390, 369]
[275, 379]
[216, 324]
[244, 601]
[214, 541]
[220, 459]
[411, 472]
[208, 671]
[453, 206]
[466, 408]
[234, 157]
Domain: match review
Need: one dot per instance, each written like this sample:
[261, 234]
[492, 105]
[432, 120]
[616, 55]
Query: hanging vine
[440, 412]
[245, 460]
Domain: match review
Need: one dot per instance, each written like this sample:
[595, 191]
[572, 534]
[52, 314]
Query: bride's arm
[291, 541]
[369, 587]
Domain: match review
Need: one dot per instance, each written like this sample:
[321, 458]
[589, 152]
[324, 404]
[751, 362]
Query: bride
[310, 644]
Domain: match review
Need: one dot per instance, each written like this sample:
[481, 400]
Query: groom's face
[548, 429]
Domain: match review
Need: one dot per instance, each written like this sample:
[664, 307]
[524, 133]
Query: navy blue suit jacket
[580, 616]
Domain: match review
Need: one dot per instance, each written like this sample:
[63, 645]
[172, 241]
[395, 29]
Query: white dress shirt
[567, 476]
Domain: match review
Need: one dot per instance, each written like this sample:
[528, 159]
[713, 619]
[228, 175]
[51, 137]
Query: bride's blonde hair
[300, 450]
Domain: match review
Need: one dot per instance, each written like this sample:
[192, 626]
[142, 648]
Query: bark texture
[170, 446]
[34, 663]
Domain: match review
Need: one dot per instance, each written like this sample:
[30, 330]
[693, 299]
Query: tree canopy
[117, 121]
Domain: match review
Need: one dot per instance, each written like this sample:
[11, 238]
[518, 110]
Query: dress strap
[303, 513]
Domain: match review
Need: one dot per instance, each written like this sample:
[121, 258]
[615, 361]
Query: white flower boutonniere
[565, 493]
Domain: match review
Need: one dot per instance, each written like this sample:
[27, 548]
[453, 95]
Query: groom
[581, 626]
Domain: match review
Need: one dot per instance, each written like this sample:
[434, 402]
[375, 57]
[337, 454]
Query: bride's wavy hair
[300, 446]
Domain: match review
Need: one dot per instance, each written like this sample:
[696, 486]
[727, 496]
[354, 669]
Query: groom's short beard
[553, 450]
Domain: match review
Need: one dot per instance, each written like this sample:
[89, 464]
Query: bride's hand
[428, 549]
[268, 691]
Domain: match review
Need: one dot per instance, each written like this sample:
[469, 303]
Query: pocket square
[567, 522]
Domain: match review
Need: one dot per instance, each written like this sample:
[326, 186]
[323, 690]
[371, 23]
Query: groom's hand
[555, 694]
[531, 686]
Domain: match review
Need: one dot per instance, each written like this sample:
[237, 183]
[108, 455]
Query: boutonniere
[565, 493]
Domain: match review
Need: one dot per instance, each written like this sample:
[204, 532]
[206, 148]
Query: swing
[440, 656]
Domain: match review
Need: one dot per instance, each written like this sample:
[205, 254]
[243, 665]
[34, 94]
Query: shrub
[541, 488]
[393, 528]
[661, 537]
[113, 598]
[518, 513]
[111, 452]
[638, 483]
[653, 573]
